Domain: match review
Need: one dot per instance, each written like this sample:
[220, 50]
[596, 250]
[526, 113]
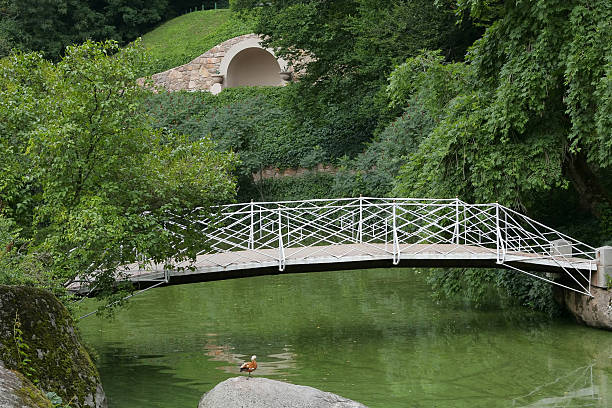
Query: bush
[372, 172]
[251, 121]
[305, 187]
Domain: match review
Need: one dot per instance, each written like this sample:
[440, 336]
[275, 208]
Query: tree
[531, 114]
[351, 47]
[10, 31]
[132, 18]
[87, 180]
[50, 25]
[525, 118]
[372, 173]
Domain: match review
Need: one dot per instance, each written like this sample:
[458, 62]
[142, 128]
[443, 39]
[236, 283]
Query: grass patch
[186, 37]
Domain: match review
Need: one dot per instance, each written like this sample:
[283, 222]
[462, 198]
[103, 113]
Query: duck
[249, 366]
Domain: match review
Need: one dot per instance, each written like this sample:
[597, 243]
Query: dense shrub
[307, 186]
[250, 121]
[372, 172]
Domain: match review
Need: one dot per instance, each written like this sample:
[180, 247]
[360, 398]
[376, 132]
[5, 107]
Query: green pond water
[374, 336]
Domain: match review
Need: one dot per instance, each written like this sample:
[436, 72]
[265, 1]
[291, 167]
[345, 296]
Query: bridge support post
[559, 247]
[603, 277]
[360, 226]
[251, 230]
[456, 229]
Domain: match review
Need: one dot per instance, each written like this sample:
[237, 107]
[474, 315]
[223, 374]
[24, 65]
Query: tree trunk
[593, 197]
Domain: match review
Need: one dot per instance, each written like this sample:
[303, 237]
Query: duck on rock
[249, 366]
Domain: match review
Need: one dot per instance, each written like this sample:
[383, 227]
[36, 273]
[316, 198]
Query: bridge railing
[392, 225]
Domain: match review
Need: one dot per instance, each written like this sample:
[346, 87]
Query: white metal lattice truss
[429, 232]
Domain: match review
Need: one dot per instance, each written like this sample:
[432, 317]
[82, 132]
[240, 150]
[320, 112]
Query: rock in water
[258, 392]
[48, 349]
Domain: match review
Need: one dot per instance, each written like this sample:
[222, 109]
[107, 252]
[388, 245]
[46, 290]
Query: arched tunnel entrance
[253, 67]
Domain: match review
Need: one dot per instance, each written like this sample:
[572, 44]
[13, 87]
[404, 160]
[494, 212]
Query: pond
[375, 336]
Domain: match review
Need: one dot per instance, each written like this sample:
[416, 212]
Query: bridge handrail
[401, 222]
[562, 235]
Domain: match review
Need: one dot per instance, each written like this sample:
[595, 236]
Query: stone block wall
[197, 74]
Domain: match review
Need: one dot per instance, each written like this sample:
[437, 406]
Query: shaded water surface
[374, 336]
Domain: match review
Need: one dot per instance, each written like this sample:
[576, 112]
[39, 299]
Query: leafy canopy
[86, 179]
[344, 50]
[530, 112]
[51, 25]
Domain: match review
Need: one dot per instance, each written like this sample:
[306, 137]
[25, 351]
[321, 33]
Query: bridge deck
[365, 232]
[235, 264]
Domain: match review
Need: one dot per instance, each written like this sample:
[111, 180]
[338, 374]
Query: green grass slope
[182, 39]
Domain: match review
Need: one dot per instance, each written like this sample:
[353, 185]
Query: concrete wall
[240, 61]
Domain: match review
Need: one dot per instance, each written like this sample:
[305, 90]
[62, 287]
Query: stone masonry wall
[593, 311]
[197, 74]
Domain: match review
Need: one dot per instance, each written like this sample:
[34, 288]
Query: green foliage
[22, 350]
[479, 286]
[88, 180]
[531, 115]
[303, 187]
[17, 265]
[11, 35]
[523, 120]
[256, 129]
[351, 46]
[49, 26]
[56, 400]
[373, 171]
[184, 38]
[427, 79]
[251, 121]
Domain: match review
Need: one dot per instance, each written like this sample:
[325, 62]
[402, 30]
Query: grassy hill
[182, 39]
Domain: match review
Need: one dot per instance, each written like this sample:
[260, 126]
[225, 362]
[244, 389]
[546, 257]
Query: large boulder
[39, 339]
[18, 392]
[257, 392]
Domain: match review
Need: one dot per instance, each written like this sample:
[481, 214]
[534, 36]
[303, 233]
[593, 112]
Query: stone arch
[247, 63]
[209, 71]
[253, 67]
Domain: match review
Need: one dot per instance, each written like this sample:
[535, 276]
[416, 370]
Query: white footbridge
[262, 238]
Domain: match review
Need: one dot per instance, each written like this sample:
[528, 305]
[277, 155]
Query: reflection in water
[581, 391]
[374, 336]
[279, 364]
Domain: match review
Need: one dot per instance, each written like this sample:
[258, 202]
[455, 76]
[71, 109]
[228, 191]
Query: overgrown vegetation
[48, 26]
[86, 182]
[352, 46]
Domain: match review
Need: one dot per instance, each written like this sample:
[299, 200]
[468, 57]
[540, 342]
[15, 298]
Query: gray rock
[593, 311]
[17, 392]
[57, 358]
[258, 392]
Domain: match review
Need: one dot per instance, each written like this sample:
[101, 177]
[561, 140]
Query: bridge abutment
[593, 311]
[603, 277]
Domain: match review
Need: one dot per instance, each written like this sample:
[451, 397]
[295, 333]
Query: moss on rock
[58, 361]
[31, 395]
[18, 391]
